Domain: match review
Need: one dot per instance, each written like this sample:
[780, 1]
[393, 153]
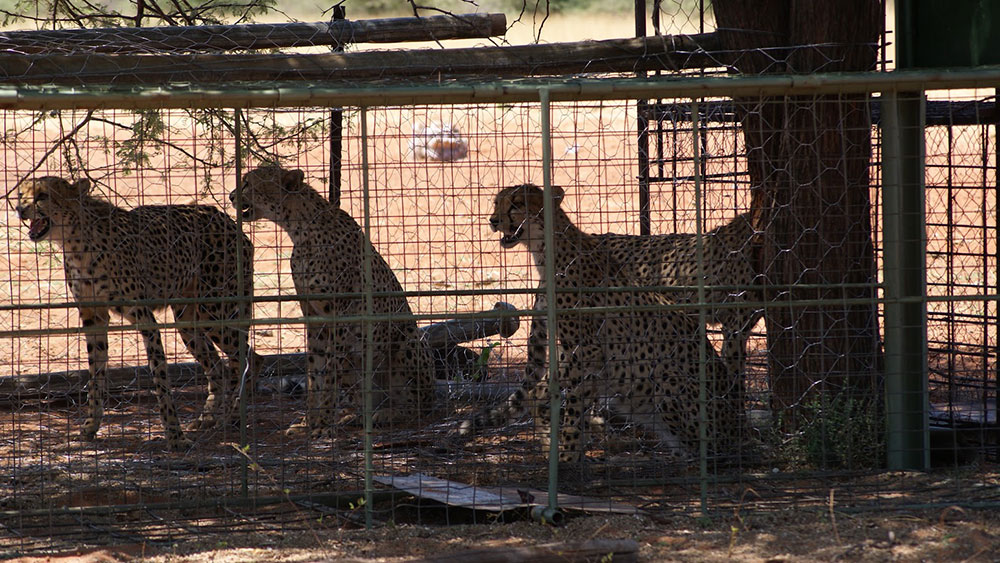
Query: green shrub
[839, 432]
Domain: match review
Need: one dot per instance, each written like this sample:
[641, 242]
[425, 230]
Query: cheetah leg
[197, 342]
[531, 395]
[536, 373]
[729, 382]
[345, 353]
[578, 376]
[736, 331]
[161, 383]
[199, 346]
[409, 377]
[97, 361]
[319, 388]
[240, 379]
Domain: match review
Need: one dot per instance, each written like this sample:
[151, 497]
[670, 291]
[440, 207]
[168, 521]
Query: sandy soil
[945, 534]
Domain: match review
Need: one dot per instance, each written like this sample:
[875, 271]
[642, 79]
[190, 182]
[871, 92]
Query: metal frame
[905, 296]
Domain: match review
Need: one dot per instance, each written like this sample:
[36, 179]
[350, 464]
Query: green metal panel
[907, 439]
[946, 33]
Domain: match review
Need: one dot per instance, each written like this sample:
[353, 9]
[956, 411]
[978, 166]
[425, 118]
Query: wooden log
[281, 372]
[452, 333]
[17, 388]
[134, 40]
[608, 56]
[287, 369]
[617, 551]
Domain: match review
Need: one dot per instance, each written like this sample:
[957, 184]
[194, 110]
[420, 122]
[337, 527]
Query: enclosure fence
[420, 167]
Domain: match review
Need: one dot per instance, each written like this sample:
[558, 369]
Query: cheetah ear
[557, 195]
[292, 180]
[82, 186]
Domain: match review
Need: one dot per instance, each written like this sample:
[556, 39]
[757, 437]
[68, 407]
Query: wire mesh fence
[480, 303]
[430, 220]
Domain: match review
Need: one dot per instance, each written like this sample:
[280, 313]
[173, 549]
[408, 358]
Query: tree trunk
[808, 159]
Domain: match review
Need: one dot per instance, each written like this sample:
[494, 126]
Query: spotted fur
[725, 264]
[328, 260]
[144, 257]
[643, 358]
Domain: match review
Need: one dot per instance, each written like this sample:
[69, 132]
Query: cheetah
[672, 260]
[328, 257]
[644, 360]
[139, 259]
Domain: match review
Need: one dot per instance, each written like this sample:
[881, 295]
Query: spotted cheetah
[328, 261]
[140, 259]
[622, 346]
[673, 260]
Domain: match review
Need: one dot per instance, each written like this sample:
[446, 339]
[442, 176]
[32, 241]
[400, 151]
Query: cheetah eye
[41, 196]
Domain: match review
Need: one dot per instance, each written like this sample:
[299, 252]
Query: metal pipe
[368, 324]
[548, 515]
[702, 333]
[39, 306]
[501, 91]
[243, 349]
[337, 128]
[691, 307]
[552, 327]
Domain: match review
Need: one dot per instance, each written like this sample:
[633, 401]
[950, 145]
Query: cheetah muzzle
[38, 227]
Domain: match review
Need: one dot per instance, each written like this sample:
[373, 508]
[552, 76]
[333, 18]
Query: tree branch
[49, 152]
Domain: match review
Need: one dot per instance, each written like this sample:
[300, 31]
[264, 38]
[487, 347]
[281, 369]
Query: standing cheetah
[327, 261]
[614, 345]
[142, 258]
[727, 265]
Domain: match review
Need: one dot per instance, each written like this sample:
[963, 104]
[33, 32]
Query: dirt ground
[940, 534]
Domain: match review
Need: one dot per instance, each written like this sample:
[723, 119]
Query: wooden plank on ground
[495, 499]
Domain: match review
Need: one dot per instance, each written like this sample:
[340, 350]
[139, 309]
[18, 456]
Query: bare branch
[48, 153]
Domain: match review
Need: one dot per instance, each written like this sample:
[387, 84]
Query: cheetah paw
[297, 430]
[180, 444]
[203, 422]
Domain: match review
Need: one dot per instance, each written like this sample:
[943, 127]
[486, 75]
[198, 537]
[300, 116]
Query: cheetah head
[41, 202]
[517, 213]
[263, 189]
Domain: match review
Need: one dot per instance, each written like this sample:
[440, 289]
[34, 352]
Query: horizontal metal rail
[492, 314]
[665, 289]
[323, 94]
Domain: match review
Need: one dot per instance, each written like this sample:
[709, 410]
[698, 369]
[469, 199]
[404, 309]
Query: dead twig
[62, 140]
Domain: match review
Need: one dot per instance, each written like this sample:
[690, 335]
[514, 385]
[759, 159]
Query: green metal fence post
[702, 333]
[368, 323]
[243, 351]
[550, 297]
[907, 438]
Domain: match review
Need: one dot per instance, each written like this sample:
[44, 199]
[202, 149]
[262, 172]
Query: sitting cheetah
[328, 259]
[146, 256]
[646, 361]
